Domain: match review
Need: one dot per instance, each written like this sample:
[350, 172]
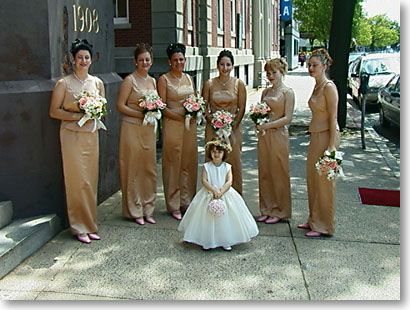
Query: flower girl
[218, 215]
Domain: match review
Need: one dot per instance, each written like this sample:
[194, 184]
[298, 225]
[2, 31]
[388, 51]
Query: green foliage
[315, 17]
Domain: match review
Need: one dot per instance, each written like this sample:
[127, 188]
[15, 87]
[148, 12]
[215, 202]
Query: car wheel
[384, 122]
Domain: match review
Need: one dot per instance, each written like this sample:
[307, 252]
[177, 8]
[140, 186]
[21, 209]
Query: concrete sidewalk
[360, 262]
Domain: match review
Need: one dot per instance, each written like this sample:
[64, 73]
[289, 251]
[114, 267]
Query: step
[22, 237]
[6, 213]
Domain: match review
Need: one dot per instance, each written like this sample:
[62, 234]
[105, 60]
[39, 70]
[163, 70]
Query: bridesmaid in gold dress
[324, 136]
[79, 145]
[179, 145]
[137, 149]
[273, 147]
[227, 93]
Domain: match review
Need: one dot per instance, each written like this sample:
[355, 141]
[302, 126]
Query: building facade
[248, 28]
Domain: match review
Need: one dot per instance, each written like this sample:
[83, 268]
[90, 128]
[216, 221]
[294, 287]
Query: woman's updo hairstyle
[175, 48]
[143, 48]
[225, 53]
[79, 45]
[323, 55]
[277, 64]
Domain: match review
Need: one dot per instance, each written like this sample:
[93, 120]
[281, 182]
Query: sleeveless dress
[226, 98]
[273, 163]
[179, 149]
[321, 192]
[137, 158]
[235, 226]
[80, 154]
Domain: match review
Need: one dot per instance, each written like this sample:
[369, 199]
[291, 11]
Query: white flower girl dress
[235, 226]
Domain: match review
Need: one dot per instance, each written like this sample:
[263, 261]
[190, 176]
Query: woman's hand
[217, 194]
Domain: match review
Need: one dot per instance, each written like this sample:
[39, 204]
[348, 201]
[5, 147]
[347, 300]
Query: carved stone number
[85, 19]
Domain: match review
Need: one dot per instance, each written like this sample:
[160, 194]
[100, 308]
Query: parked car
[379, 68]
[389, 100]
[354, 55]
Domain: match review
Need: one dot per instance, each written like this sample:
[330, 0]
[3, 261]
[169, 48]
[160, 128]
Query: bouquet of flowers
[259, 113]
[222, 124]
[153, 108]
[216, 207]
[330, 164]
[94, 107]
[194, 107]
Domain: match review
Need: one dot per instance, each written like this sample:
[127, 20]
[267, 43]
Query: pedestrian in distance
[275, 202]
[227, 93]
[324, 135]
[137, 146]
[79, 143]
[218, 215]
[179, 144]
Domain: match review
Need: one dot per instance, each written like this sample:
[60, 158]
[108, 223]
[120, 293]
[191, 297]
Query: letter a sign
[285, 9]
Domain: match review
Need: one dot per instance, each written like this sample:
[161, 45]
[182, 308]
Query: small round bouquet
[217, 207]
[222, 124]
[94, 107]
[153, 109]
[259, 113]
[194, 107]
[330, 164]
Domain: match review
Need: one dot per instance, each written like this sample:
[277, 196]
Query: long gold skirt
[138, 169]
[273, 171]
[179, 164]
[321, 191]
[80, 151]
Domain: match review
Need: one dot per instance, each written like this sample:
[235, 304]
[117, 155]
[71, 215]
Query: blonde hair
[323, 56]
[277, 64]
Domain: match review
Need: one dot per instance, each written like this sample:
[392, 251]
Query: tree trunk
[339, 46]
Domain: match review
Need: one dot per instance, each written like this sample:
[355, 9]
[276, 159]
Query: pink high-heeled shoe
[83, 238]
[94, 236]
[177, 215]
[262, 218]
[273, 220]
[139, 221]
[313, 234]
[304, 226]
[150, 220]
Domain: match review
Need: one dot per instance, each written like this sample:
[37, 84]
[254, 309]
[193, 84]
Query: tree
[384, 31]
[339, 46]
[314, 17]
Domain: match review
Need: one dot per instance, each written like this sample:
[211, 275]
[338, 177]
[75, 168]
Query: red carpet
[381, 197]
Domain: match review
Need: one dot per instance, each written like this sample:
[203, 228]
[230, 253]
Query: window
[243, 18]
[189, 13]
[220, 15]
[233, 16]
[120, 11]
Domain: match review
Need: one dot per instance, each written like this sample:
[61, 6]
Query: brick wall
[140, 20]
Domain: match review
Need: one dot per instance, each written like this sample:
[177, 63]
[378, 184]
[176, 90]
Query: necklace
[224, 84]
[177, 78]
[80, 80]
[141, 77]
[320, 84]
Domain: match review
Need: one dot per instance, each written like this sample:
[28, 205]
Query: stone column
[36, 37]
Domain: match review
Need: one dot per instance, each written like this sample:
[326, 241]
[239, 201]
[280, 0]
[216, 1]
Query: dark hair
[79, 45]
[217, 144]
[225, 53]
[175, 48]
[323, 56]
[277, 64]
[143, 48]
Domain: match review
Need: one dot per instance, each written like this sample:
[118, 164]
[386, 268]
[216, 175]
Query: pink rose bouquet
[259, 113]
[330, 164]
[217, 207]
[222, 124]
[153, 109]
[194, 107]
[94, 108]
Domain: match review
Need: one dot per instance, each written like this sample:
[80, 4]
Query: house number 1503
[85, 19]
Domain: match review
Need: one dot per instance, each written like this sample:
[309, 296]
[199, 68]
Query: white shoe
[227, 248]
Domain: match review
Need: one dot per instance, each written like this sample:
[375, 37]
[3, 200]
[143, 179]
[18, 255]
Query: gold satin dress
[273, 163]
[179, 149]
[80, 155]
[137, 157]
[226, 98]
[321, 192]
